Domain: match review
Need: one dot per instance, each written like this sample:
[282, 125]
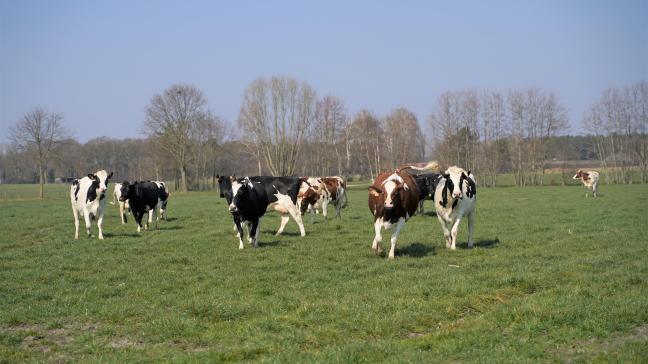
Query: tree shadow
[416, 250]
[484, 243]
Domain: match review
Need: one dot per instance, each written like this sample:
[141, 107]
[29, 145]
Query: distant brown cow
[393, 199]
[589, 179]
[335, 193]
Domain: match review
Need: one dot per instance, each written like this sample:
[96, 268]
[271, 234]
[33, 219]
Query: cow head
[225, 187]
[390, 192]
[125, 191]
[454, 181]
[308, 197]
[240, 188]
[581, 175]
[100, 180]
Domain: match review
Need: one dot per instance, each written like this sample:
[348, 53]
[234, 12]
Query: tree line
[284, 128]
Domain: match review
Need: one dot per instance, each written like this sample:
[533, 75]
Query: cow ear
[110, 175]
[91, 176]
[374, 191]
[446, 175]
[468, 173]
[300, 195]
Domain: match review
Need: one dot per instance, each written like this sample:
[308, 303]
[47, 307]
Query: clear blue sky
[99, 63]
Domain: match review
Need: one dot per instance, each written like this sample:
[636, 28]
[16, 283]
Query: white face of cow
[392, 187]
[238, 187]
[101, 177]
[456, 185]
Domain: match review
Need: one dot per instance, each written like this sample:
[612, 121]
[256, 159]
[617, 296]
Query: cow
[162, 203]
[88, 198]
[589, 179]
[393, 199]
[455, 198]
[123, 205]
[334, 192]
[308, 195]
[426, 184]
[142, 197]
[249, 198]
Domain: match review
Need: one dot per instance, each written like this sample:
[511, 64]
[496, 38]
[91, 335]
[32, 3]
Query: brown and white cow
[393, 199]
[332, 191]
[308, 195]
[589, 179]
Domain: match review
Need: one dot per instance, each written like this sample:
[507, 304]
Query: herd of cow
[394, 197]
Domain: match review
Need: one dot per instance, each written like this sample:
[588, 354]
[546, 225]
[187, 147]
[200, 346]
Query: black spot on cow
[447, 186]
[76, 190]
[92, 190]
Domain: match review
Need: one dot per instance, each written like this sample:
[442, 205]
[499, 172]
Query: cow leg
[446, 231]
[338, 208]
[239, 233]
[377, 238]
[76, 222]
[100, 225]
[296, 215]
[86, 217]
[471, 223]
[284, 221]
[453, 233]
[594, 188]
[246, 227]
[394, 238]
[138, 220]
[121, 212]
[325, 207]
[254, 231]
[420, 207]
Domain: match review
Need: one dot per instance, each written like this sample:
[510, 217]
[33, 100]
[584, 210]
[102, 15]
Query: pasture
[553, 277]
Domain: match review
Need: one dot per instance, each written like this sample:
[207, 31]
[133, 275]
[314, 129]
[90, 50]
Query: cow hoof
[391, 257]
[470, 246]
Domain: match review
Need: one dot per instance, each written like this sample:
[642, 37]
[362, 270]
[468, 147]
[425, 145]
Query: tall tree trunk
[183, 178]
[41, 179]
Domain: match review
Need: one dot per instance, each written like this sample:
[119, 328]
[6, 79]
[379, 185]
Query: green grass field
[554, 277]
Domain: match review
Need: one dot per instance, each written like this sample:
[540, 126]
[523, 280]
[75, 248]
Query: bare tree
[367, 137]
[275, 117]
[454, 128]
[172, 118]
[494, 125]
[327, 131]
[41, 133]
[405, 141]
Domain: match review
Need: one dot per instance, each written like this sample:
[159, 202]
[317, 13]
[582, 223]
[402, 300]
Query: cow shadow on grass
[484, 243]
[416, 250]
[175, 227]
[128, 235]
[285, 233]
[265, 244]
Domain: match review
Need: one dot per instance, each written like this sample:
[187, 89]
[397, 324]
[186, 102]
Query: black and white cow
[123, 205]
[88, 198]
[248, 200]
[455, 198]
[426, 184]
[161, 207]
[142, 197]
